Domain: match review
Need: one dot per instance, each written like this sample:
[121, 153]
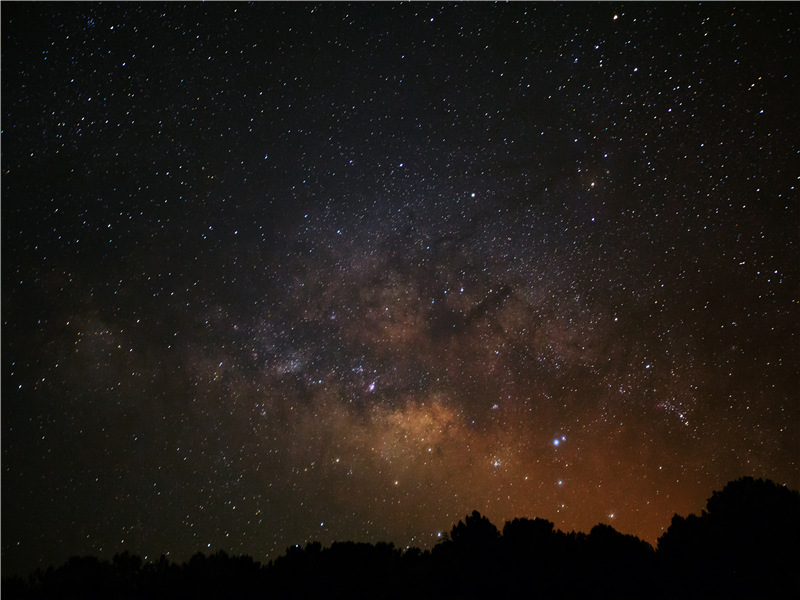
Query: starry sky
[274, 273]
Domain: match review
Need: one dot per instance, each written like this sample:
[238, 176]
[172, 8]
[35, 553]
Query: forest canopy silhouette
[744, 544]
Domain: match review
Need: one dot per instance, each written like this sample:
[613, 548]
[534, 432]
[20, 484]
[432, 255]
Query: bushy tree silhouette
[475, 531]
[468, 558]
[746, 544]
[532, 554]
[617, 565]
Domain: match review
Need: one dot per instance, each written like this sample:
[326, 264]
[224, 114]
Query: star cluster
[284, 272]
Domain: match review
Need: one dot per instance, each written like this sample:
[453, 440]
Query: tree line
[745, 544]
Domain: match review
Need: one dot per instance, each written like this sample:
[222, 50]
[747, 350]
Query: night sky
[277, 273]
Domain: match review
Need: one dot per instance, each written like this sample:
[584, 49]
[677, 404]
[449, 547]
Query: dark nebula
[283, 272]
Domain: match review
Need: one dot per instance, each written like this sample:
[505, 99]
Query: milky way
[276, 273]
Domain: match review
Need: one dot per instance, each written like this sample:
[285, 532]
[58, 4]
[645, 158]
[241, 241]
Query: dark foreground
[746, 544]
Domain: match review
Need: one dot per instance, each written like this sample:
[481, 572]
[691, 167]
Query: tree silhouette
[533, 557]
[746, 544]
[617, 565]
[468, 558]
[475, 531]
